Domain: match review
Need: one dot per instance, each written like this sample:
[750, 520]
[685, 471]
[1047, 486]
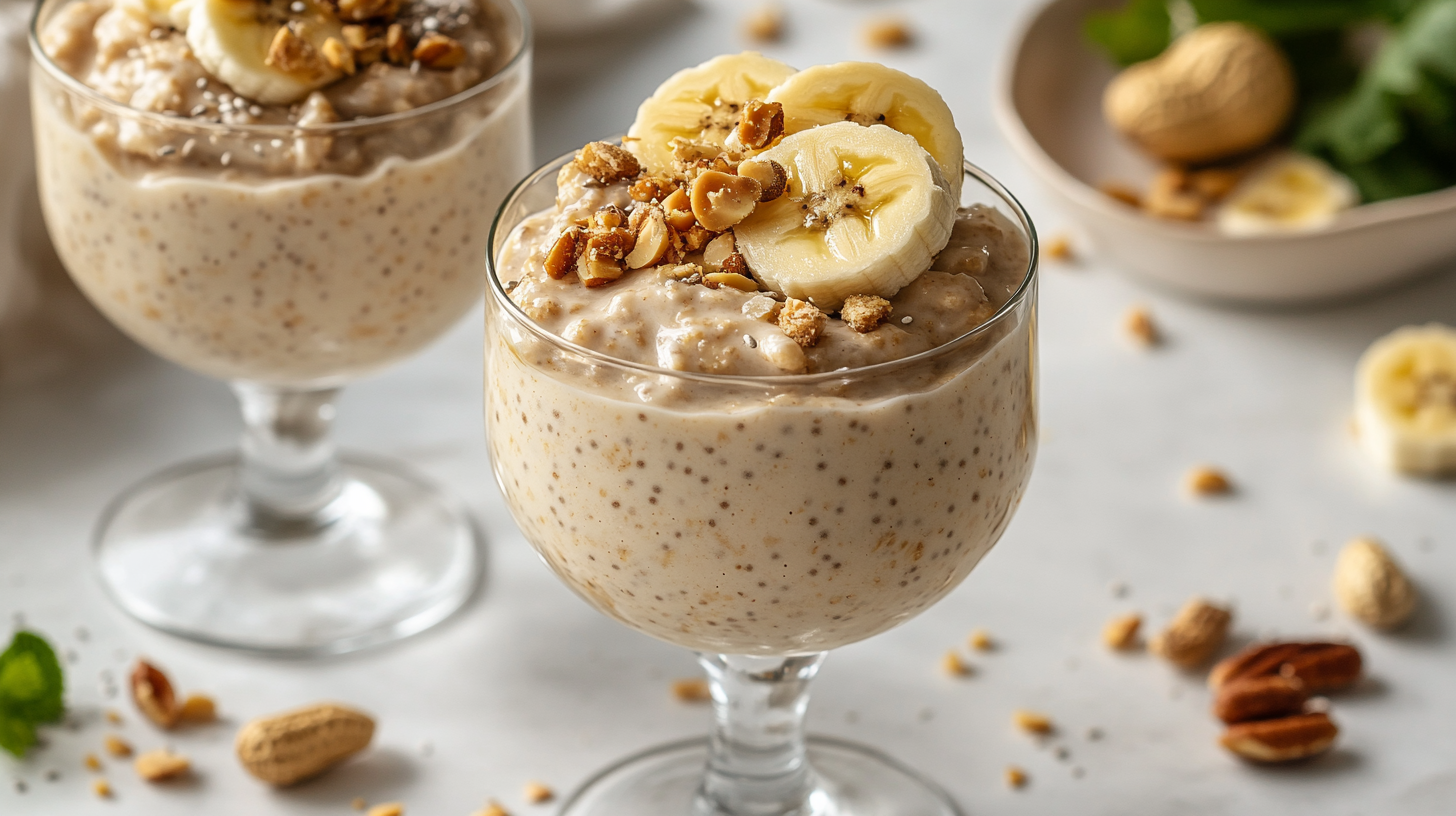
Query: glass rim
[76, 86]
[496, 290]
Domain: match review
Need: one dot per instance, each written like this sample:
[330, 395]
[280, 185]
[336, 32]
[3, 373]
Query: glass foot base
[853, 781]
[394, 557]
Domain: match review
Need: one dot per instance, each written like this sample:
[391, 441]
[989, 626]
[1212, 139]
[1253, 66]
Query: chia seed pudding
[302, 238]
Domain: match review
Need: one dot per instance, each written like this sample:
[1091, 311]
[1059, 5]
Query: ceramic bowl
[1048, 104]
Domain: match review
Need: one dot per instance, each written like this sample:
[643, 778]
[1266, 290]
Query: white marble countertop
[528, 683]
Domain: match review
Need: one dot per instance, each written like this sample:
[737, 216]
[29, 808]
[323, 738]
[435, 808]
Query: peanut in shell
[295, 745]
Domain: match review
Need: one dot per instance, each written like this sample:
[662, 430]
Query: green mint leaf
[16, 736]
[1140, 31]
[32, 684]
[1405, 171]
[1278, 17]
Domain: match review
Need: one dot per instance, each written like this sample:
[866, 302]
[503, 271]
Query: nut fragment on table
[116, 746]
[1058, 248]
[492, 808]
[1371, 586]
[1281, 740]
[161, 765]
[1195, 634]
[692, 690]
[888, 32]
[296, 745]
[537, 793]
[1321, 667]
[198, 708]
[1015, 777]
[1138, 323]
[982, 641]
[953, 665]
[765, 23]
[386, 809]
[1121, 633]
[1204, 480]
[101, 788]
[1260, 698]
[1032, 722]
[92, 762]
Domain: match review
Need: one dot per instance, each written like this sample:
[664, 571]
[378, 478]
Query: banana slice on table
[1405, 400]
[1290, 193]
[865, 211]
[701, 104]
[871, 94]
[265, 51]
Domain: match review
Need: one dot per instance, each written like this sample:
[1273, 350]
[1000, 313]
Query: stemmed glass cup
[287, 260]
[760, 521]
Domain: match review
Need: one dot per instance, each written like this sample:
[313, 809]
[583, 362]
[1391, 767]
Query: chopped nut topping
[1015, 777]
[760, 123]
[356, 36]
[597, 267]
[1059, 248]
[606, 162]
[865, 313]
[802, 322]
[736, 264]
[653, 238]
[357, 11]
[679, 209]
[762, 308]
[764, 24]
[732, 280]
[116, 746]
[386, 809]
[1121, 632]
[692, 690]
[719, 250]
[339, 55]
[564, 253]
[161, 764]
[537, 793]
[198, 708]
[770, 176]
[439, 52]
[981, 641]
[695, 238]
[1206, 481]
[953, 665]
[720, 200]
[292, 54]
[1139, 325]
[1122, 192]
[1032, 722]
[888, 32]
[652, 188]
[1169, 197]
[396, 47]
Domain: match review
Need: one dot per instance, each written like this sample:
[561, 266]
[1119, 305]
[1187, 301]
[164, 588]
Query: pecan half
[1281, 740]
[1321, 667]
[1259, 698]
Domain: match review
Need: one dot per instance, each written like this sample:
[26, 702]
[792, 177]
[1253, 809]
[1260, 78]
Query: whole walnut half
[1218, 91]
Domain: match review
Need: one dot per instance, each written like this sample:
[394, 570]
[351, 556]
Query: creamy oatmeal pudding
[761, 385]
[287, 192]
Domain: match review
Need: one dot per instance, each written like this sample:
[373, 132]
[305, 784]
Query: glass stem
[756, 762]
[288, 474]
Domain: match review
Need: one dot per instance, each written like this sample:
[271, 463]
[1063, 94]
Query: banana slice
[1290, 193]
[701, 104]
[865, 211]
[1405, 400]
[872, 94]
[165, 13]
[265, 51]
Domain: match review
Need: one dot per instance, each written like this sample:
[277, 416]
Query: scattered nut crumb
[981, 641]
[538, 793]
[1032, 722]
[198, 708]
[764, 24]
[101, 788]
[160, 765]
[92, 762]
[1138, 323]
[1015, 777]
[358, 803]
[386, 809]
[1059, 248]
[1122, 192]
[492, 808]
[606, 162]
[888, 32]
[692, 690]
[802, 322]
[954, 666]
[117, 747]
[1121, 632]
[1207, 481]
[865, 313]
[113, 716]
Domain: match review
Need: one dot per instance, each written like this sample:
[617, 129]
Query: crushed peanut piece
[888, 32]
[356, 36]
[606, 162]
[953, 665]
[765, 23]
[1207, 481]
[92, 762]
[1170, 197]
[1032, 722]
[732, 280]
[1121, 632]
[101, 788]
[760, 123]
[1121, 192]
[769, 174]
[358, 803]
[692, 690]
[1059, 248]
[1138, 323]
[386, 809]
[865, 313]
[116, 746]
[1015, 777]
[113, 716]
[562, 256]
[198, 708]
[160, 765]
[439, 51]
[652, 188]
[492, 808]
[538, 793]
[357, 11]
[292, 54]
[339, 55]
[396, 47]
[981, 641]
[802, 322]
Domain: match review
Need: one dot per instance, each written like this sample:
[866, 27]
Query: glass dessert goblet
[287, 251]
[757, 520]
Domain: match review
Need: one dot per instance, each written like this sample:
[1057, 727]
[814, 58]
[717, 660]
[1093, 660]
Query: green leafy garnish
[1139, 32]
[31, 691]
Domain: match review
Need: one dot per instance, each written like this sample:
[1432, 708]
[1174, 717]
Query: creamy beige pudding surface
[279, 255]
[759, 517]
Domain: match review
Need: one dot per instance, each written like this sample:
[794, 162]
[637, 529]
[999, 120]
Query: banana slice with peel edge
[1405, 400]
[701, 104]
[265, 51]
[865, 211]
[868, 93]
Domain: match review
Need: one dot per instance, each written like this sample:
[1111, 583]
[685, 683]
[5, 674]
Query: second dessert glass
[760, 521]
[286, 260]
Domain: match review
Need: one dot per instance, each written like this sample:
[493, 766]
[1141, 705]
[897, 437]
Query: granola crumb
[1118, 191]
[888, 32]
[1059, 248]
[953, 665]
[865, 313]
[358, 803]
[981, 641]
[1032, 722]
[1207, 481]
[92, 762]
[764, 24]
[802, 322]
[492, 808]
[116, 746]
[386, 809]
[607, 162]
[538, 793]
[691, 690]
[101, 788]
[1015, 777]
[160, 765]
[113, 716]
[1138, 323]
[1121, 633]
